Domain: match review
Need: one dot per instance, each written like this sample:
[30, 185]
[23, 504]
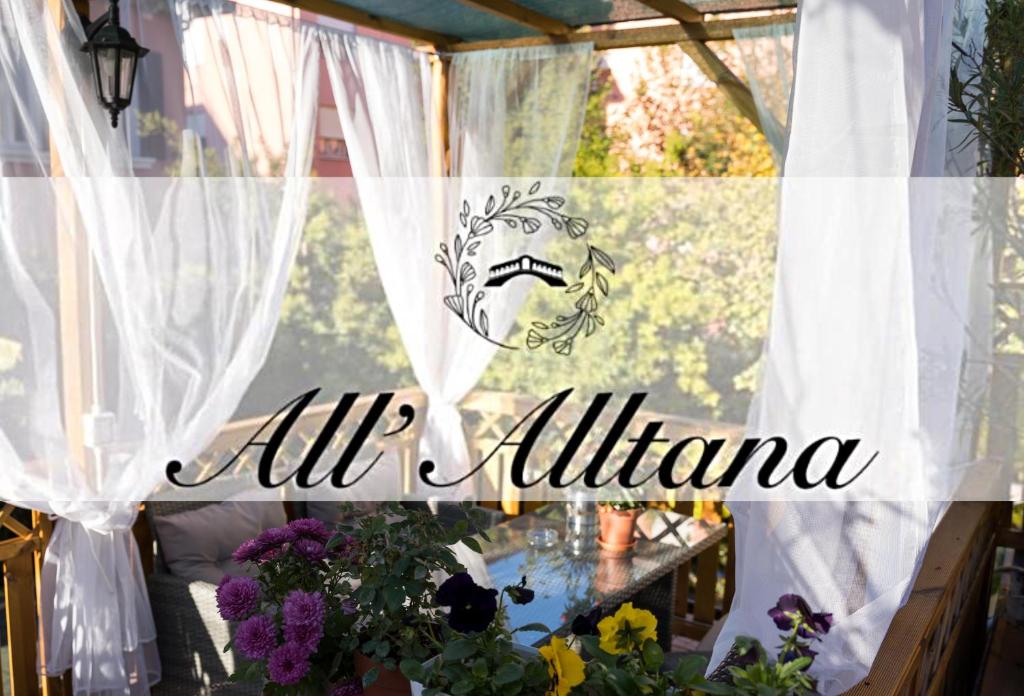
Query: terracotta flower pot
[612, 573]
[390, 682]
[618, 528]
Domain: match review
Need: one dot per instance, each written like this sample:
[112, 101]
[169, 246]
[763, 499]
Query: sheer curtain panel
[512, 113]
[875, 318]
[178, 285]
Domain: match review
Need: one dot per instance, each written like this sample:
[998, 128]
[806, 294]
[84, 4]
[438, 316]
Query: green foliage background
[694, 284]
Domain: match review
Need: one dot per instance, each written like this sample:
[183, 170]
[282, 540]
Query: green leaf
[370, 677]
[462, 687]
[472, 543]
[533, 628]
[394, 596]
[508, 673]
[459, 650]
[652, 654]
[412, 669]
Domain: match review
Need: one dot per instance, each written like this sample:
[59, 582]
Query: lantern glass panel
[128, 58]
[106, 73]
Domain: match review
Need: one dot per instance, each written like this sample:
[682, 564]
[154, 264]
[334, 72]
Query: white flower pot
[523, 650]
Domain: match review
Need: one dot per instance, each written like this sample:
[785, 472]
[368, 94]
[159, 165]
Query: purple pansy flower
[237, 597]
[248, 552]
[310, 549]
[808, 624]
[586, 624]
[256, 637]
[308, 528]
[799, 651]
[349, 606]
[288, 664]
[472, 607]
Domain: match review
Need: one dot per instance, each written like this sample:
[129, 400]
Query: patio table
[570, 581]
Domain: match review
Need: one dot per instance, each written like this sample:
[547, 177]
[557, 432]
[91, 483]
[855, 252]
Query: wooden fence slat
[19, 593]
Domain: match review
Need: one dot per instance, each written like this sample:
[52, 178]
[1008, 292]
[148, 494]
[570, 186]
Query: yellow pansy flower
[564, 666]
[627, 629]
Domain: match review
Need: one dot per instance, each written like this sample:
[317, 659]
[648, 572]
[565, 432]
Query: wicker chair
[191, 635]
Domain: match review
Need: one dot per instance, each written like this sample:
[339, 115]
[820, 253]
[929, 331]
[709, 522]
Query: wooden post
[73, 268]
[440, 152]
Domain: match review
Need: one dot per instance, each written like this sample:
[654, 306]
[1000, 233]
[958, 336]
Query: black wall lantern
[115, 58]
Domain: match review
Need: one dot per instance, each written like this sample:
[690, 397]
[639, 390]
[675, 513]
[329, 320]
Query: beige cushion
[197, 544]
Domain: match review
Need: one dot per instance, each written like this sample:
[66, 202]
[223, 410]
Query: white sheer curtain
[511, 113]
[767, 54]
[183, 280]
[875, 287]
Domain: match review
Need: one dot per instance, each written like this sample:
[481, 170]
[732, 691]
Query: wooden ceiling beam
[675, 9]
[508, 10]
[728, 6]
[372, 21]
[715, 69]
[644, 35]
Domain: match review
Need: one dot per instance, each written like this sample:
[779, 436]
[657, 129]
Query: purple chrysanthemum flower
[249, 551]
[288, 664]
[304, 608]
[306, 636]
[345, 548]
[275, 537]
[347, 688]
[237, 597]
[310, 549]
[271, 555]
[256, 637]
[308, 528]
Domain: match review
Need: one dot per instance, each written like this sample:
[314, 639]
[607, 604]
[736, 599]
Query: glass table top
[570, 578]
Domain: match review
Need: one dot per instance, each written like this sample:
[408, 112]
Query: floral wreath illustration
[525, 214]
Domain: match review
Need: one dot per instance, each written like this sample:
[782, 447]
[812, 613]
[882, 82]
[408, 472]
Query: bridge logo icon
[471, 284]
[501, 273]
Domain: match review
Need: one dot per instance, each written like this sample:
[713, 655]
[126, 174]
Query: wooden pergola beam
[715, 69]
[633, 36]
[727, 6]
[521, 15]
[676, 9]
[372, 21]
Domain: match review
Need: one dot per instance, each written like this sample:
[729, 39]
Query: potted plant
[617, 522]
[756, 675]
[625, 658]
[291, 613]
[395, 557]
[479, 654]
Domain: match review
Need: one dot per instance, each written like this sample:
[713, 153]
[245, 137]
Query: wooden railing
[21, 558]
